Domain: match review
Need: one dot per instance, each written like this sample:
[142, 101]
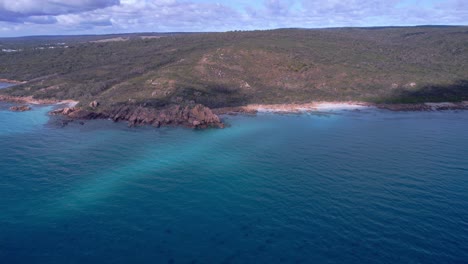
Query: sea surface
[5, 85]
[364, 186]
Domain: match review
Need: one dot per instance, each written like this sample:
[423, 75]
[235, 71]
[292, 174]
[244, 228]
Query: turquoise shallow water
[343, 187]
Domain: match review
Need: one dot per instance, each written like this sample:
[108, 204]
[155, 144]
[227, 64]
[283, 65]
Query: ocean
[367, 186]
[4, 85]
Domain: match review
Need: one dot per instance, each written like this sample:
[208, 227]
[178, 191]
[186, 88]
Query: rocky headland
[193, 116]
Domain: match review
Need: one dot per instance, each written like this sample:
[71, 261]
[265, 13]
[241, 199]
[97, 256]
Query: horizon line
[230, 31]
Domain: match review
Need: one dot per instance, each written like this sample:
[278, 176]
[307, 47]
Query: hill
[383, 65]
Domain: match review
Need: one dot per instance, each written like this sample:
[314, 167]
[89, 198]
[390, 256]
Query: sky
[57, 17]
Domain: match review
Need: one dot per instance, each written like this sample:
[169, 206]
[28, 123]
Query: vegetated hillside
[399, 64]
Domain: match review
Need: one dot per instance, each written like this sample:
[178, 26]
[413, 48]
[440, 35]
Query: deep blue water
[345, 187]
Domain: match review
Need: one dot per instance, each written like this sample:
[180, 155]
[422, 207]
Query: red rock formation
[195, 116]
[21, 108]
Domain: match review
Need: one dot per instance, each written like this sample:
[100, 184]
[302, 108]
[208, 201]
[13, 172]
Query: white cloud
[53, 7]
[111, 16]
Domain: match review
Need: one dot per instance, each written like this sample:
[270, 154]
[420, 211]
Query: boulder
[94, 104]
[203, 115]
[67, 111]
[20, 108]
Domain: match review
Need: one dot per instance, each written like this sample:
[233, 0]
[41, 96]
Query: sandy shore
[314, 106]
[11, 81]
[335, 106]
[30, 100]
[294, 108]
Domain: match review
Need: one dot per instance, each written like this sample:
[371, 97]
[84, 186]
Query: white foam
[340, 106]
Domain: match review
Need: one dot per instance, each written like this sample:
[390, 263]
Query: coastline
[193, 116]
[199, 116]
[338, 105]
[429, 106]
[292, 108]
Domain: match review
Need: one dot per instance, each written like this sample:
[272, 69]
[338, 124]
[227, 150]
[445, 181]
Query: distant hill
[390, 64]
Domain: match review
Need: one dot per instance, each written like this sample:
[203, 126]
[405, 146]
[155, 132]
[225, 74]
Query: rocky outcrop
[62, 111]
[94, 104]
[404, 107]
[21, 108]
[78, 113]
[194, 116]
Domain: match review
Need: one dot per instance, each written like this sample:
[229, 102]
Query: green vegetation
[400, 64]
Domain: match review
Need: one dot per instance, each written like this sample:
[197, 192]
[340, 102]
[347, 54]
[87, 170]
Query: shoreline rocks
[425, 106]
[193, 116]
[199, 116]
[20, 108]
